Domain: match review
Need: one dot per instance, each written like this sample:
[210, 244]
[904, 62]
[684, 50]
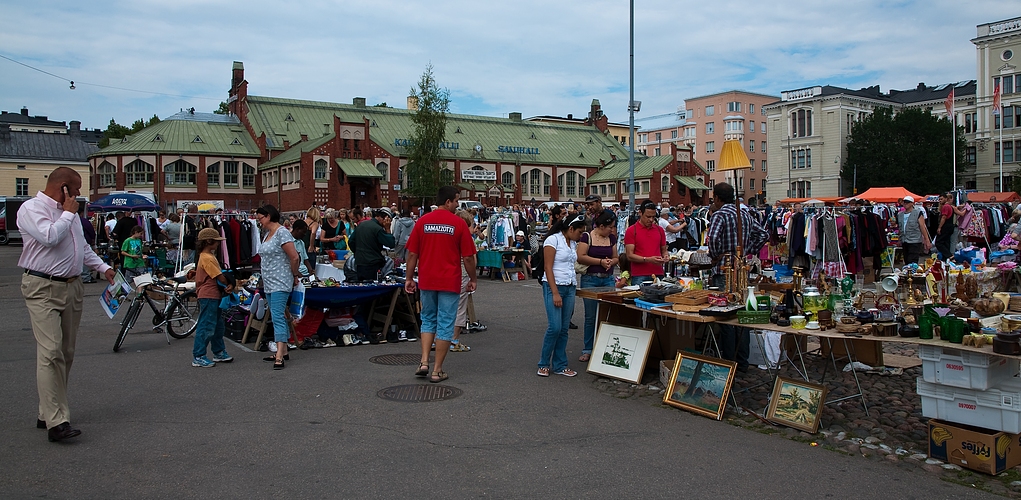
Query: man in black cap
[593, 207]
[367, 242]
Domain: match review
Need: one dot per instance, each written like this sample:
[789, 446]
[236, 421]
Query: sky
[134, 59]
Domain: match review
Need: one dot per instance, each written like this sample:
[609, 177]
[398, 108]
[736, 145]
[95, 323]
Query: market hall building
[295, 154]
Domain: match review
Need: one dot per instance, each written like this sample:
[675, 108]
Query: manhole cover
[397, 359]
[419, 393]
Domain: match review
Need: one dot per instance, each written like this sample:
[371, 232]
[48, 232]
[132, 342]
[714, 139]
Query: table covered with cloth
[324, 297]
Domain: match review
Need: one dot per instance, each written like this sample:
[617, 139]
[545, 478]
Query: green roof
[691, 182]
[184, 133]
[620, 169]
[556, 144]
[358, 168]
[293, 154]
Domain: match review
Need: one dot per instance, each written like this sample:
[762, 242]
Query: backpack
[538, 264]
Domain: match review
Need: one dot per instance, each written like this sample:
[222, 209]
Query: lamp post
[631, 115]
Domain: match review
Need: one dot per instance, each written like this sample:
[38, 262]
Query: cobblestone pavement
[894, 431]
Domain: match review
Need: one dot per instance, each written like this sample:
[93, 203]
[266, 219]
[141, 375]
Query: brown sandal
[438, 377]
[423, 370]
[585, 357]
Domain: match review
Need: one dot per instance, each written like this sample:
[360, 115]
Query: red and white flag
[949, 103]
[996, 99]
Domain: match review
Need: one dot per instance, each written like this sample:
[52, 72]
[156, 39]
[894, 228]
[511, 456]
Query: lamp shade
[732, 156]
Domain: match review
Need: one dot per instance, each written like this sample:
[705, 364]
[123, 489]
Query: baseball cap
[593, 197]
[209, 234]
[909, 199]
[519, 233]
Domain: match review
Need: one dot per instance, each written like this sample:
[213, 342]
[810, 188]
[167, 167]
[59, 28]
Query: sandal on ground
[423, 370]
[287, 357]
[567, 372]
[459, 347]
[278, 365]
[585, 357]
[543, 372]
[437, 377]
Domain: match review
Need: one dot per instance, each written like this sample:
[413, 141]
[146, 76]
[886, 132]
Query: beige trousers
[55, 309]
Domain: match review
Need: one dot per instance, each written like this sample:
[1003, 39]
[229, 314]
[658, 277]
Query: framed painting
[619, 352]
[797, 404]
[700, 384]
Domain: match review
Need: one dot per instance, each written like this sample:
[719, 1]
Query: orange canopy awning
[884, 195]
[991, 197]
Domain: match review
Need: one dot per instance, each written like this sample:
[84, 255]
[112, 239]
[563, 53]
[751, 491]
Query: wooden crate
[689, 298]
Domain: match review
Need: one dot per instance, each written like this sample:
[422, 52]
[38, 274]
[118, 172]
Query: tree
[911, 148]
[117, 131]
[422, 176]
[224, 109]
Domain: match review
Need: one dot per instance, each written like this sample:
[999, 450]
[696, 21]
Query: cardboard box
[665, 368]
[974, 448]
[869, 352]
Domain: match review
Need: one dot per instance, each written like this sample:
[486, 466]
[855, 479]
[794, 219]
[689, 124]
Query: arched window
[107, 175]
[320, 170]
[180, 173]
[664, 186]
[138, 172]
[801, 123]
[247, 175]
[213, 174]
[508, 180]
[384, 170]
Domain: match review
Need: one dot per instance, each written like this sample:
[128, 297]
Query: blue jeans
[209, 330]
[554, 343]
[591, 306]
[439, 311]
[278, 314]
[638, 280]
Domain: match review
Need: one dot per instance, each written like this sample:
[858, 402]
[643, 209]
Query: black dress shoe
[62, 432]
[573, 326]
[40, 424]
[287, 357]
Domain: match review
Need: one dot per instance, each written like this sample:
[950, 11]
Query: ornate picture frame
[700, 384]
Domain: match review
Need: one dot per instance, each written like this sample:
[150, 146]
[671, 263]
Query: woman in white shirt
[558, 288]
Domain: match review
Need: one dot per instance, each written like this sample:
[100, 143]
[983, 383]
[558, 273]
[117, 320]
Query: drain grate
[419, 393]
[398, 359]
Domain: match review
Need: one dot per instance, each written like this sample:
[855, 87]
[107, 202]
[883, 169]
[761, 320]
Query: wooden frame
[620, 352]
[700, 384]
[797, 404]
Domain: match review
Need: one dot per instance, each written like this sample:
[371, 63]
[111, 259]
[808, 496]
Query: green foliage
[117, 131]
[223, 109]
[912, 149]
[422, 176]
[381, 105]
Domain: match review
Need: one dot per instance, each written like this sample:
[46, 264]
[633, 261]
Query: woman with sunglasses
[558, 288]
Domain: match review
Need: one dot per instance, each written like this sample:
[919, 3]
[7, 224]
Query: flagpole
[1001, 154]
[953, 140]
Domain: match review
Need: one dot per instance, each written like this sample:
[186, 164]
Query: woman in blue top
[279, 263]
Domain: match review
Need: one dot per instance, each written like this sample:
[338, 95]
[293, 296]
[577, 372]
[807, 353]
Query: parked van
[469, 204]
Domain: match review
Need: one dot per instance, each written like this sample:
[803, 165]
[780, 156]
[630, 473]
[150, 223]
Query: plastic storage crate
[996, 408]
[965, 369]
[644, 304]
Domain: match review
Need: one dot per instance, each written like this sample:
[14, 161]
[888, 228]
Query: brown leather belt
[45, 276]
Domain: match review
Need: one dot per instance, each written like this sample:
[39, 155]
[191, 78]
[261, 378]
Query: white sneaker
[330, 343]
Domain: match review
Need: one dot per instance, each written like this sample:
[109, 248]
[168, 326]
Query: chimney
[570, 116]
[75, 129]
[237, 74]
[5, 131]
[359, 102]
[304, 137]
[412, 103]
[24, 111]
[921, 86]
[514, 117]
[287, 144]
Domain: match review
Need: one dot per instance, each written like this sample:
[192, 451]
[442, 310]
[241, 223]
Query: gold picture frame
[797, 404]
[700, 384]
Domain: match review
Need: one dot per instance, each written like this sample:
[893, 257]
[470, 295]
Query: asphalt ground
[154, 427]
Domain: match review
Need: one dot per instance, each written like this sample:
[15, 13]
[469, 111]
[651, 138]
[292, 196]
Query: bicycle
[177, 317]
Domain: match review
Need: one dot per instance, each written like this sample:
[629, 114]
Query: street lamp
[631, 114]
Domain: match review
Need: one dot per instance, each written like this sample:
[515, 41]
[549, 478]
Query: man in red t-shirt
[645, 242]
[439, 244]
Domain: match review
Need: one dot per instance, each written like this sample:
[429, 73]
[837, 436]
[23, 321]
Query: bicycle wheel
[129, 320]
[183, 316]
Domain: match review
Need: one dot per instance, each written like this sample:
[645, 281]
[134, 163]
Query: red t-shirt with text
[440, 239]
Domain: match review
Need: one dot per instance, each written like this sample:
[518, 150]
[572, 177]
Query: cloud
[535, 57]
